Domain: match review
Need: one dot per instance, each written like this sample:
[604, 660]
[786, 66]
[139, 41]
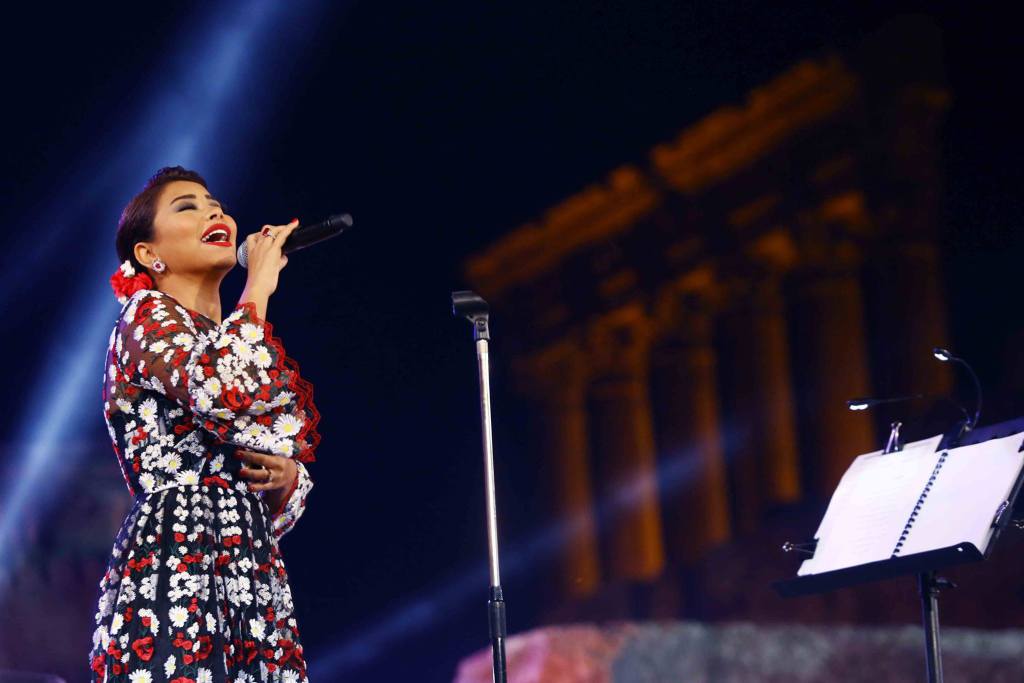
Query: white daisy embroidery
[242, 350]
[287, 425]
[183, 340]
[251, 333]
[178, 616]
[257, 628]
[155, 384]
[147, 410]
[261, 357]
[283, 399]
[212, 386]
[204, 403]
[253, 431]
[147, 481]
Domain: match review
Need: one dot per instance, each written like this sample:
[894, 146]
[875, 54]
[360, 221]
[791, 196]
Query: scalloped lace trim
[303, 389]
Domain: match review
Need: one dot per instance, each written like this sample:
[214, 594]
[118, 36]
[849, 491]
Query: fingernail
[295, 220]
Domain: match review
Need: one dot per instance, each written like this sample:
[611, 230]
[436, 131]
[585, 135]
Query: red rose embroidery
[98, 666]
[235, 399]
[205, 647]
[144, 648]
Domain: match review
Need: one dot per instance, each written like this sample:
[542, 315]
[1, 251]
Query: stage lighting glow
[376, 638]
[189, 122]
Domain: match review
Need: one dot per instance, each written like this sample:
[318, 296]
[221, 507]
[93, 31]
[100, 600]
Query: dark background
[440, 126]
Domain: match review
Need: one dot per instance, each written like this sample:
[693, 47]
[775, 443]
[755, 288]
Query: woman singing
[211, 424]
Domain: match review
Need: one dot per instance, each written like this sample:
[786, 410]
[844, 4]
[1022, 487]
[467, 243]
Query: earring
[159, 266]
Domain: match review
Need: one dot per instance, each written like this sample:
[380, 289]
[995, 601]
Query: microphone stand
[472, 307]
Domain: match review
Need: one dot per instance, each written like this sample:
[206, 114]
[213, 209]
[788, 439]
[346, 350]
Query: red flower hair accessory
[125, 282]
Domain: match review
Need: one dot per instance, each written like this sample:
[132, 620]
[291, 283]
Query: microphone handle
[304, 236]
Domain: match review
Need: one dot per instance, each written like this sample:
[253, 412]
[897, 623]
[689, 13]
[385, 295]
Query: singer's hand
[266, 472]
[265, 263]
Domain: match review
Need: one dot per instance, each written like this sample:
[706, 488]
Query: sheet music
[870, 506]
[973, 483]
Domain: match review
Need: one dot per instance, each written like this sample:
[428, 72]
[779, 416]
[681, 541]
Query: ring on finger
[267, 232]
[270, 475]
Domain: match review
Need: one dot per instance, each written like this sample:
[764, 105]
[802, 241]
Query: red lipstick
[217, 227]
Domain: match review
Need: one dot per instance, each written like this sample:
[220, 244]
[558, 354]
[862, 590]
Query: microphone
[947, 357]
[304, 236]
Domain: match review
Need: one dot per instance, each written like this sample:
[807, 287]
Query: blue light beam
[375, 638]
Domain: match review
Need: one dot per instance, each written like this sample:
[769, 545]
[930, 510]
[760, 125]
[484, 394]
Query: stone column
[555, 380]
[684, 384]
[764, 447]
[907, 284]
[623, 444]
[835, 362]
[905, 199]
[906, 112]
[772, 389]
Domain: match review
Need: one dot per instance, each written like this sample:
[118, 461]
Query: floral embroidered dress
[196, 590]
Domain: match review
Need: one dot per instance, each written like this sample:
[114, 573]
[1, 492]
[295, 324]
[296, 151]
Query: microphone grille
[243, 255]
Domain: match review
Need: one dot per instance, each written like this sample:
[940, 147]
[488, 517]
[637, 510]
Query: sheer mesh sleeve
[235, 377]
[285, 517]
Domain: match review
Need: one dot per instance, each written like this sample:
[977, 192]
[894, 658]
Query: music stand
[925, 563]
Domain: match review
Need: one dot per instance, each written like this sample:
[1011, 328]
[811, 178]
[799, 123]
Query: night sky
[440, 126]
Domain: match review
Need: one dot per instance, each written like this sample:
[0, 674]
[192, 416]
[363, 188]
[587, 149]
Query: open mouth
[219, 235]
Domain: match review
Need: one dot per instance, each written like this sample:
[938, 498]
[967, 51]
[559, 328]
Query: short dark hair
[136, 224]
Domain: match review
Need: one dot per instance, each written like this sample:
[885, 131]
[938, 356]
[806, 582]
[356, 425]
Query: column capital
[775, 251]
[754, 292]
[618, 342]
[831, 235]
[685, 307]
[556, 372]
